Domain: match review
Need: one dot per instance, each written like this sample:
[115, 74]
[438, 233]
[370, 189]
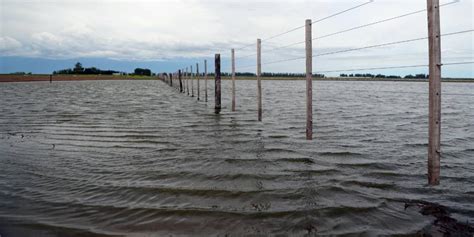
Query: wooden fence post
[309, 81]
[233, 79]
[171, 79]
[180, 82]
[187, 81]
[259, 83]
[183, 79]
[205, 79]
[197, 77]
[434, 134]
[192, 82]
[217, 87]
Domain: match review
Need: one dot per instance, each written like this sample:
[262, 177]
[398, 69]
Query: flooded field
[137, 158]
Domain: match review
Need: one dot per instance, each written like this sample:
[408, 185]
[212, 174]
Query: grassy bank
[44, 77]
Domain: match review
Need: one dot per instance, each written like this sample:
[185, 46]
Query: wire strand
[362, 48]
[313, 22]
[380, 21]
[387, 44]
[341, 12]
[457, 63]
[359, 27]
[394, 67]
[372, 68]
[317, 21]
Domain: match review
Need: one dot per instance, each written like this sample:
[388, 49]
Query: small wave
[339, 153]
[369, 184]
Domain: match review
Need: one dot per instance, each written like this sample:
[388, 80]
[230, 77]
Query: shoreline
[44, 77]
[32, 78]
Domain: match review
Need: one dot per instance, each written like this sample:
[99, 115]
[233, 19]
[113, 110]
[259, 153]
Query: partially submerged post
[217, 87]
[187, 81]
[434, 133]
[259, 83]
[171, 79]
[192, 82]
[205, 79]
[50, 78]
[180, 82]
[233, 79]
[309, 81]
[197, 76]
[183, 79]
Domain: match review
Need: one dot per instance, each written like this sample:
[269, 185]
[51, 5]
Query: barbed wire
[457, 63]
[365, 47]
[301, 27]
[370, 68]
[392, 67]
[381, 21]
[359, 27]
[390, 43]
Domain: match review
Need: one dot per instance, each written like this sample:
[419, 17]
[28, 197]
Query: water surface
[137, 158]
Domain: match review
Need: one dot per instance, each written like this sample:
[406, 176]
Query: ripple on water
[137, 158]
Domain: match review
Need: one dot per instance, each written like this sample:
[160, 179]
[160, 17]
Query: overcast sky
[176, 33]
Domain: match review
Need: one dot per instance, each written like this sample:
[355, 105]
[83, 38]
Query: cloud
[9, 45]
[164, 30]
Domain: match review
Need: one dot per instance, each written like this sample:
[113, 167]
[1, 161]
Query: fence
[434, 65]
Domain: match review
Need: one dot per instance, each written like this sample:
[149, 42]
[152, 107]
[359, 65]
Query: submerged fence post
[434, 134]
[233, 79]
[180, 82]
[197, 76]
[171, 79]
[205, 79]
[259, 83]
[309, 81]
[192, 82]
[183, 79]
[217, 87]
[187, 80]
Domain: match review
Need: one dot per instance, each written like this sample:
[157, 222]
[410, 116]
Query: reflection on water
[137, 158]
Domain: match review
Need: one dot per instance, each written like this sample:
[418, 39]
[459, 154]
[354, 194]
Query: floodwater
[137, 158]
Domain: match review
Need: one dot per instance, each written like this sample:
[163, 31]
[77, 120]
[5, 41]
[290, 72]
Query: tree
[142, 72]
[78, 68]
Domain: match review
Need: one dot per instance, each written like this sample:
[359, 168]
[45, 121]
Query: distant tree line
[20, 73]
[418, 76]
[79, 69]
[368, 75]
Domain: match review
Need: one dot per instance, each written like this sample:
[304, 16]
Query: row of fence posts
[434, 86]
[184, 82]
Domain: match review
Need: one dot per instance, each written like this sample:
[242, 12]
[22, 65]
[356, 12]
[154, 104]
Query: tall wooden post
[197, 77]
[259, 83]
[434, 134]
[217, 87]
[184, 80]
[205, 79]
[187, 80]
[309, 81]
[233, 79]
[171, 79]
[180, 82]
[192, 82]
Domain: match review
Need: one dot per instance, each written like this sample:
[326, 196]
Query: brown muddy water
[137, 158]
